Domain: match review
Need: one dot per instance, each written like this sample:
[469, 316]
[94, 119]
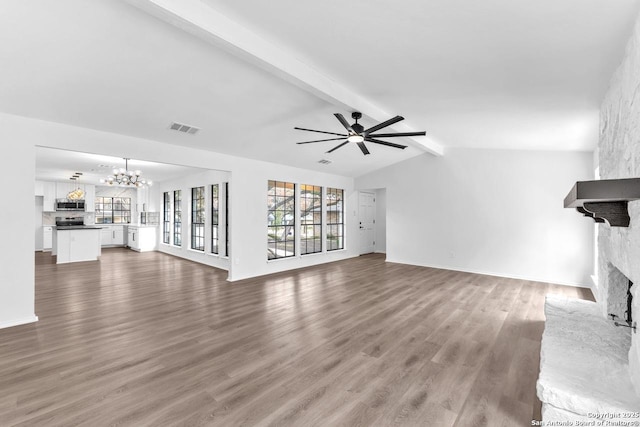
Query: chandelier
[125, 177]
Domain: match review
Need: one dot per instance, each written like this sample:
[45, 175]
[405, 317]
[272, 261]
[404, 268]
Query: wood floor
[148, 339]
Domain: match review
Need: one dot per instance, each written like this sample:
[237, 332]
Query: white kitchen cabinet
[49, 199]
[39, 188]
[47, 238]
[89, 198]
[63, 188]
[141, 239]
[112, 235]
[118, 235]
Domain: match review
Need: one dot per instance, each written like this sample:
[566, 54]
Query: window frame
[316, 223]
[198, 218]
[215, 218]
[226, 219]
[335, 225]
[100, 211]
[166, 218]
[277, 222]
[177, 217]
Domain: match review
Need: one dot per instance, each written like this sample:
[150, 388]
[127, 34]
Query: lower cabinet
[112, 235]
[47, 238]
[141, 239]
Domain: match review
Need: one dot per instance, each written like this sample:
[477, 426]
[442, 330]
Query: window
[310, 219]
[177, 217]
[197, 218]
[166, 218]
[215, 218]
[281, 206]
[113, 210]
[226, 218]
[335, 219]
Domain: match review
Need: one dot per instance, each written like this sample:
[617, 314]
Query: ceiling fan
[358, 134]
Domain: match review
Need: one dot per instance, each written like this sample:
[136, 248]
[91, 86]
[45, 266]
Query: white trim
[594, 286]
[17, 322]
[282, 259]
[508, 276]
[312, 254]
[337, 250]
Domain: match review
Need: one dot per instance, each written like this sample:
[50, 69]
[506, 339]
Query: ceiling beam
[195, 17]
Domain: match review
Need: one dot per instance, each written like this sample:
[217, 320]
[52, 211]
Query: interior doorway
[367, 221]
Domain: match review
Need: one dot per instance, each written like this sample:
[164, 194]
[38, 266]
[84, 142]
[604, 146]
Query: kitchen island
[76, 243]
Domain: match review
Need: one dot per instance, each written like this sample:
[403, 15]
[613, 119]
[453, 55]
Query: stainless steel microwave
[69, 205]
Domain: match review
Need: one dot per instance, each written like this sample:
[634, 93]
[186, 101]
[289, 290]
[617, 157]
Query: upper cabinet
[49, 199]
[64, 188]
[39, 188]
[59, 190]
[89, 198]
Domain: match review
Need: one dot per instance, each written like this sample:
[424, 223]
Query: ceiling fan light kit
[357, 134]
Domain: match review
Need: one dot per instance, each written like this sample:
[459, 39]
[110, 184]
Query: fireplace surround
[608, 357]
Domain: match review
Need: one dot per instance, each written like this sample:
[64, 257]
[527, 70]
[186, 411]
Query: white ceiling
[497, 73]
[59, 165]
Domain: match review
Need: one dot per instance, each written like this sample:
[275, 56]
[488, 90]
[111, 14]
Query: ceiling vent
[181, 127]
[324, 161]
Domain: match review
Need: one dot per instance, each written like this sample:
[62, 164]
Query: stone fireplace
[619, 157]
[619, 264]
[588, 365]
[617, 293]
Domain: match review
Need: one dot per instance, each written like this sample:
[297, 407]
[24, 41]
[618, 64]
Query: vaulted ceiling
[491, 74]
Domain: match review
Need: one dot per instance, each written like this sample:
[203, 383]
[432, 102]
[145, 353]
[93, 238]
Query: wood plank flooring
[143, 339]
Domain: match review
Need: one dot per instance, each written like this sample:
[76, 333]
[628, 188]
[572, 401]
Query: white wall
[17, 290]
[497, 212]
[39, 235]
[206, 179]
[20, 135]
[249, 219]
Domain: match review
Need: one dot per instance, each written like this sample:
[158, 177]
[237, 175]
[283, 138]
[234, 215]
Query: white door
[367, 222]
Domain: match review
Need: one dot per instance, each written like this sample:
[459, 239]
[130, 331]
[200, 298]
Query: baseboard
[594, 286]
[508, 276]
[17, 322]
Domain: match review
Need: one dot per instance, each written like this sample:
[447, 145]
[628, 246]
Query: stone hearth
[584, 365]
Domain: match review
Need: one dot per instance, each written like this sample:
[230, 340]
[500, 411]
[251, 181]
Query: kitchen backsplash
[49, 218]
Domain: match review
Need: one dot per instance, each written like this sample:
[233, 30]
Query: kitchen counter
[77, 227]
[76, 243]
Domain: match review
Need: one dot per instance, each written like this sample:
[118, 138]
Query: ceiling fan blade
[391, 135]
[320, 140]
[321, 131]
[363, 148]
[389, 122]
[389, 144]
[344, 122]
[336, 147]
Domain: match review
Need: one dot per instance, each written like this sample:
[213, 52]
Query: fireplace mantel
[604, 200]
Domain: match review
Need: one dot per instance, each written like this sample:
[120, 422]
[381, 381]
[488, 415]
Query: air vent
[181, 127]
[324, 161]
